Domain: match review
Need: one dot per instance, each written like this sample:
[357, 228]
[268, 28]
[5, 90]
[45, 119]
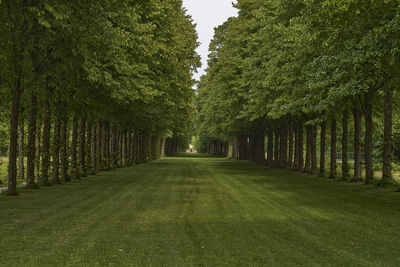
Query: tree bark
[121, 146]
[137, 147]
[313, 167]
[276, 148]
[307, 164]
[104, 146]
[163, 144]
[99, 139]
[243, 155]
[21, 141]
[368, 141]
[125, 136]
[148, 148]
[357, 116]
[81, 141]
[301, 147]
[108, 145]
[234, 147]
[115, 147]
[56, 148]
[133, 147]
[332, 173]
[387, 178]
[94, 147]
[322, 150]
[128, 154]
[31, 153]
[38, 148]
[296, 149]
[74, 145]
[345, 137]
[12, 158]
[44, 179]
[283, 147]
[259, 147]
[64, 150]
[252, 147]
[270, 148]
[290, 159]
[88, 149]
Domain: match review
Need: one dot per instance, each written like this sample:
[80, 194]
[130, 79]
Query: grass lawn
[186, 211]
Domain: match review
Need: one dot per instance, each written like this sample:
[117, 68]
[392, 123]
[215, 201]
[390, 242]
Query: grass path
[187, 211]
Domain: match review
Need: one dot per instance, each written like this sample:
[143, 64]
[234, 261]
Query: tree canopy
[285, 64]
[124, 64]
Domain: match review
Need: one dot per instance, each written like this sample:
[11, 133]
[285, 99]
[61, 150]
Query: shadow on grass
[193, 155]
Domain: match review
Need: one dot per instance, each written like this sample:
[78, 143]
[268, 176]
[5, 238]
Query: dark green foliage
[283, 62]
[125, 64]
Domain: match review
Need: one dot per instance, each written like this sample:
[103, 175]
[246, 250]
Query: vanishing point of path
[189, 210]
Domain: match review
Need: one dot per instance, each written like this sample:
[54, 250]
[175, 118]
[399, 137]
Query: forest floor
[197, 210]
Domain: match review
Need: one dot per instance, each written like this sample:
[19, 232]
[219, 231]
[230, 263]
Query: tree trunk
[322, 150]
[94, 147]
[121, 146]
[259, 139]
[38, 148]
[243, 147]
[313, 167]
[283, 147]
[133, 148]
[387, 178]
[31, 153]
[276, 149]
[63, 150]
[163, 144]
[115, 147]
[368, 141]
[234, 147]
[137, 147]
[148, 148]
[357, 146]
[252, 147]
[21, 141]
[270, 148]
[307, 165]
[88, 149]
[296, 149]
[125, 135]
[129, 145]
[81, 141]
[74, 145]
[56, 148]
[104, 146]
[46, 143]
[12, 160]
[345, 137]
[332, 173]
[301, 148]
[108, 145]
[290, 159]
[227, 146]
[99, 138]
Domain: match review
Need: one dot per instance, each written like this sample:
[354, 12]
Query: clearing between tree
[199, 210]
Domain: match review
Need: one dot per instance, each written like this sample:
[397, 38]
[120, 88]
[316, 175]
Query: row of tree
[94, 85]
[285, 69]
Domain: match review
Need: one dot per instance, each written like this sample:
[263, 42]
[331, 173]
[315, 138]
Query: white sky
[208, 14]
